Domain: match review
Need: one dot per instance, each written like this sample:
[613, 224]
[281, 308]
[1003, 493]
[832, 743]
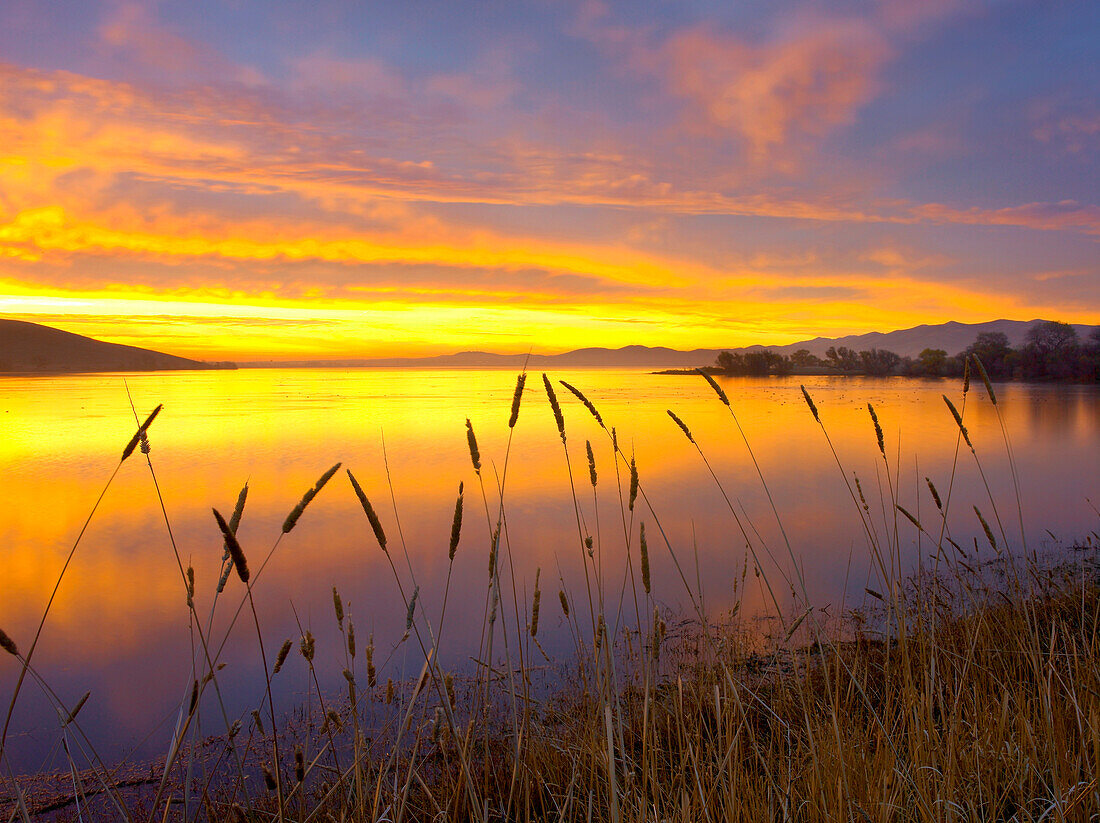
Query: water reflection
[120, 625]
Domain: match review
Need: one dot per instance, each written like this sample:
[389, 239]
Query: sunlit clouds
[258, 182]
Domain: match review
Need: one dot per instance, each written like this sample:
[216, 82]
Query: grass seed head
[368, 510]
[76, 709]
[958, 421]
[412, 609]
[714, 385]
[295, 513]
[456, 526]
[559, 420]
[591, 463]
[535, 606]
[144, 427]
[517, 395]
[351, 639]
[475, 455]
[985, 379]
[238, 509]
[681, 424]
[564, 602]
[338, 607]
[810, 403]
[645, 559]
[878, 429]
[258, 721]
[633, 483]
[307, 646]
[299, 765]
[935, 494]
[284, 650]
[587, 403]
[988, 531]
[235, 550]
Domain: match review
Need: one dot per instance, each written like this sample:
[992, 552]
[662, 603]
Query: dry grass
[969, 692]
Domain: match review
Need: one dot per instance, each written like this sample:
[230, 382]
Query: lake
[120, 625]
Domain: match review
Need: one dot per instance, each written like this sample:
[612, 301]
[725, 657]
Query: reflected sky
[120, 624]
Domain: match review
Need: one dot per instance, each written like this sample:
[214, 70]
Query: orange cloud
[769, 94]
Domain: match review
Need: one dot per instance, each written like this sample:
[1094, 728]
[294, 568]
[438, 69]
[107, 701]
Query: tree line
[1051, 351]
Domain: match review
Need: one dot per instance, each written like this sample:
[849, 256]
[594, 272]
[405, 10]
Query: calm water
[120, 628]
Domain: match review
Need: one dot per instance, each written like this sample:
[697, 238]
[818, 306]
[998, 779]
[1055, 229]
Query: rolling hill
[29, 347]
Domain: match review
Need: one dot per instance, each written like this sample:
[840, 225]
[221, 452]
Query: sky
[251, 180]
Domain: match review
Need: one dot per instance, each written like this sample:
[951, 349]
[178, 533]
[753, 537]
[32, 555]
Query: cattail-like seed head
[235, 729]
[136, 439]
[190, 587]
[368, 510]
[351, 639]
[296, 512]
[299, 765]
[284, 650]
[269, 779]
[449, 685]
[412, 609]
[878, 429]
[911, 518]
[389, 691]
[810, 403]
[601, 630]
[614, 440]
[587, 403]
[194, 697]
[633, 482]
[238, 509]
[306, 646]
[475, 455]
[681, 424]
[658, 634]
[985, 378]
[988, 531]
[535, 606]
[714, 385]
[588, 544]
[235, 550]
[859, 488]
[559, 420]
[591, 463]
[372, 674]
[76, 709]
[645, 559]
[516, 397]
[338, 607]
[258, 721]
[456, 526]
[564, 602]
[935, 494]
[227, 568]
[958, 421]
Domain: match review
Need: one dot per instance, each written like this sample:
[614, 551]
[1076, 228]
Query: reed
[954, 694]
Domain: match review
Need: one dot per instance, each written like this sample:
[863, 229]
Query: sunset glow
[264, 181]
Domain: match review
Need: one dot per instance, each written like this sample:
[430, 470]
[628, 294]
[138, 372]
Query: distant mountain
[951, 337]
[29, 347]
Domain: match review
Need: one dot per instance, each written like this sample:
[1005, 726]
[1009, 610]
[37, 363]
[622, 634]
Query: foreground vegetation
[966, 690]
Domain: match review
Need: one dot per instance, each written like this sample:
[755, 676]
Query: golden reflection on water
[120, 624]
